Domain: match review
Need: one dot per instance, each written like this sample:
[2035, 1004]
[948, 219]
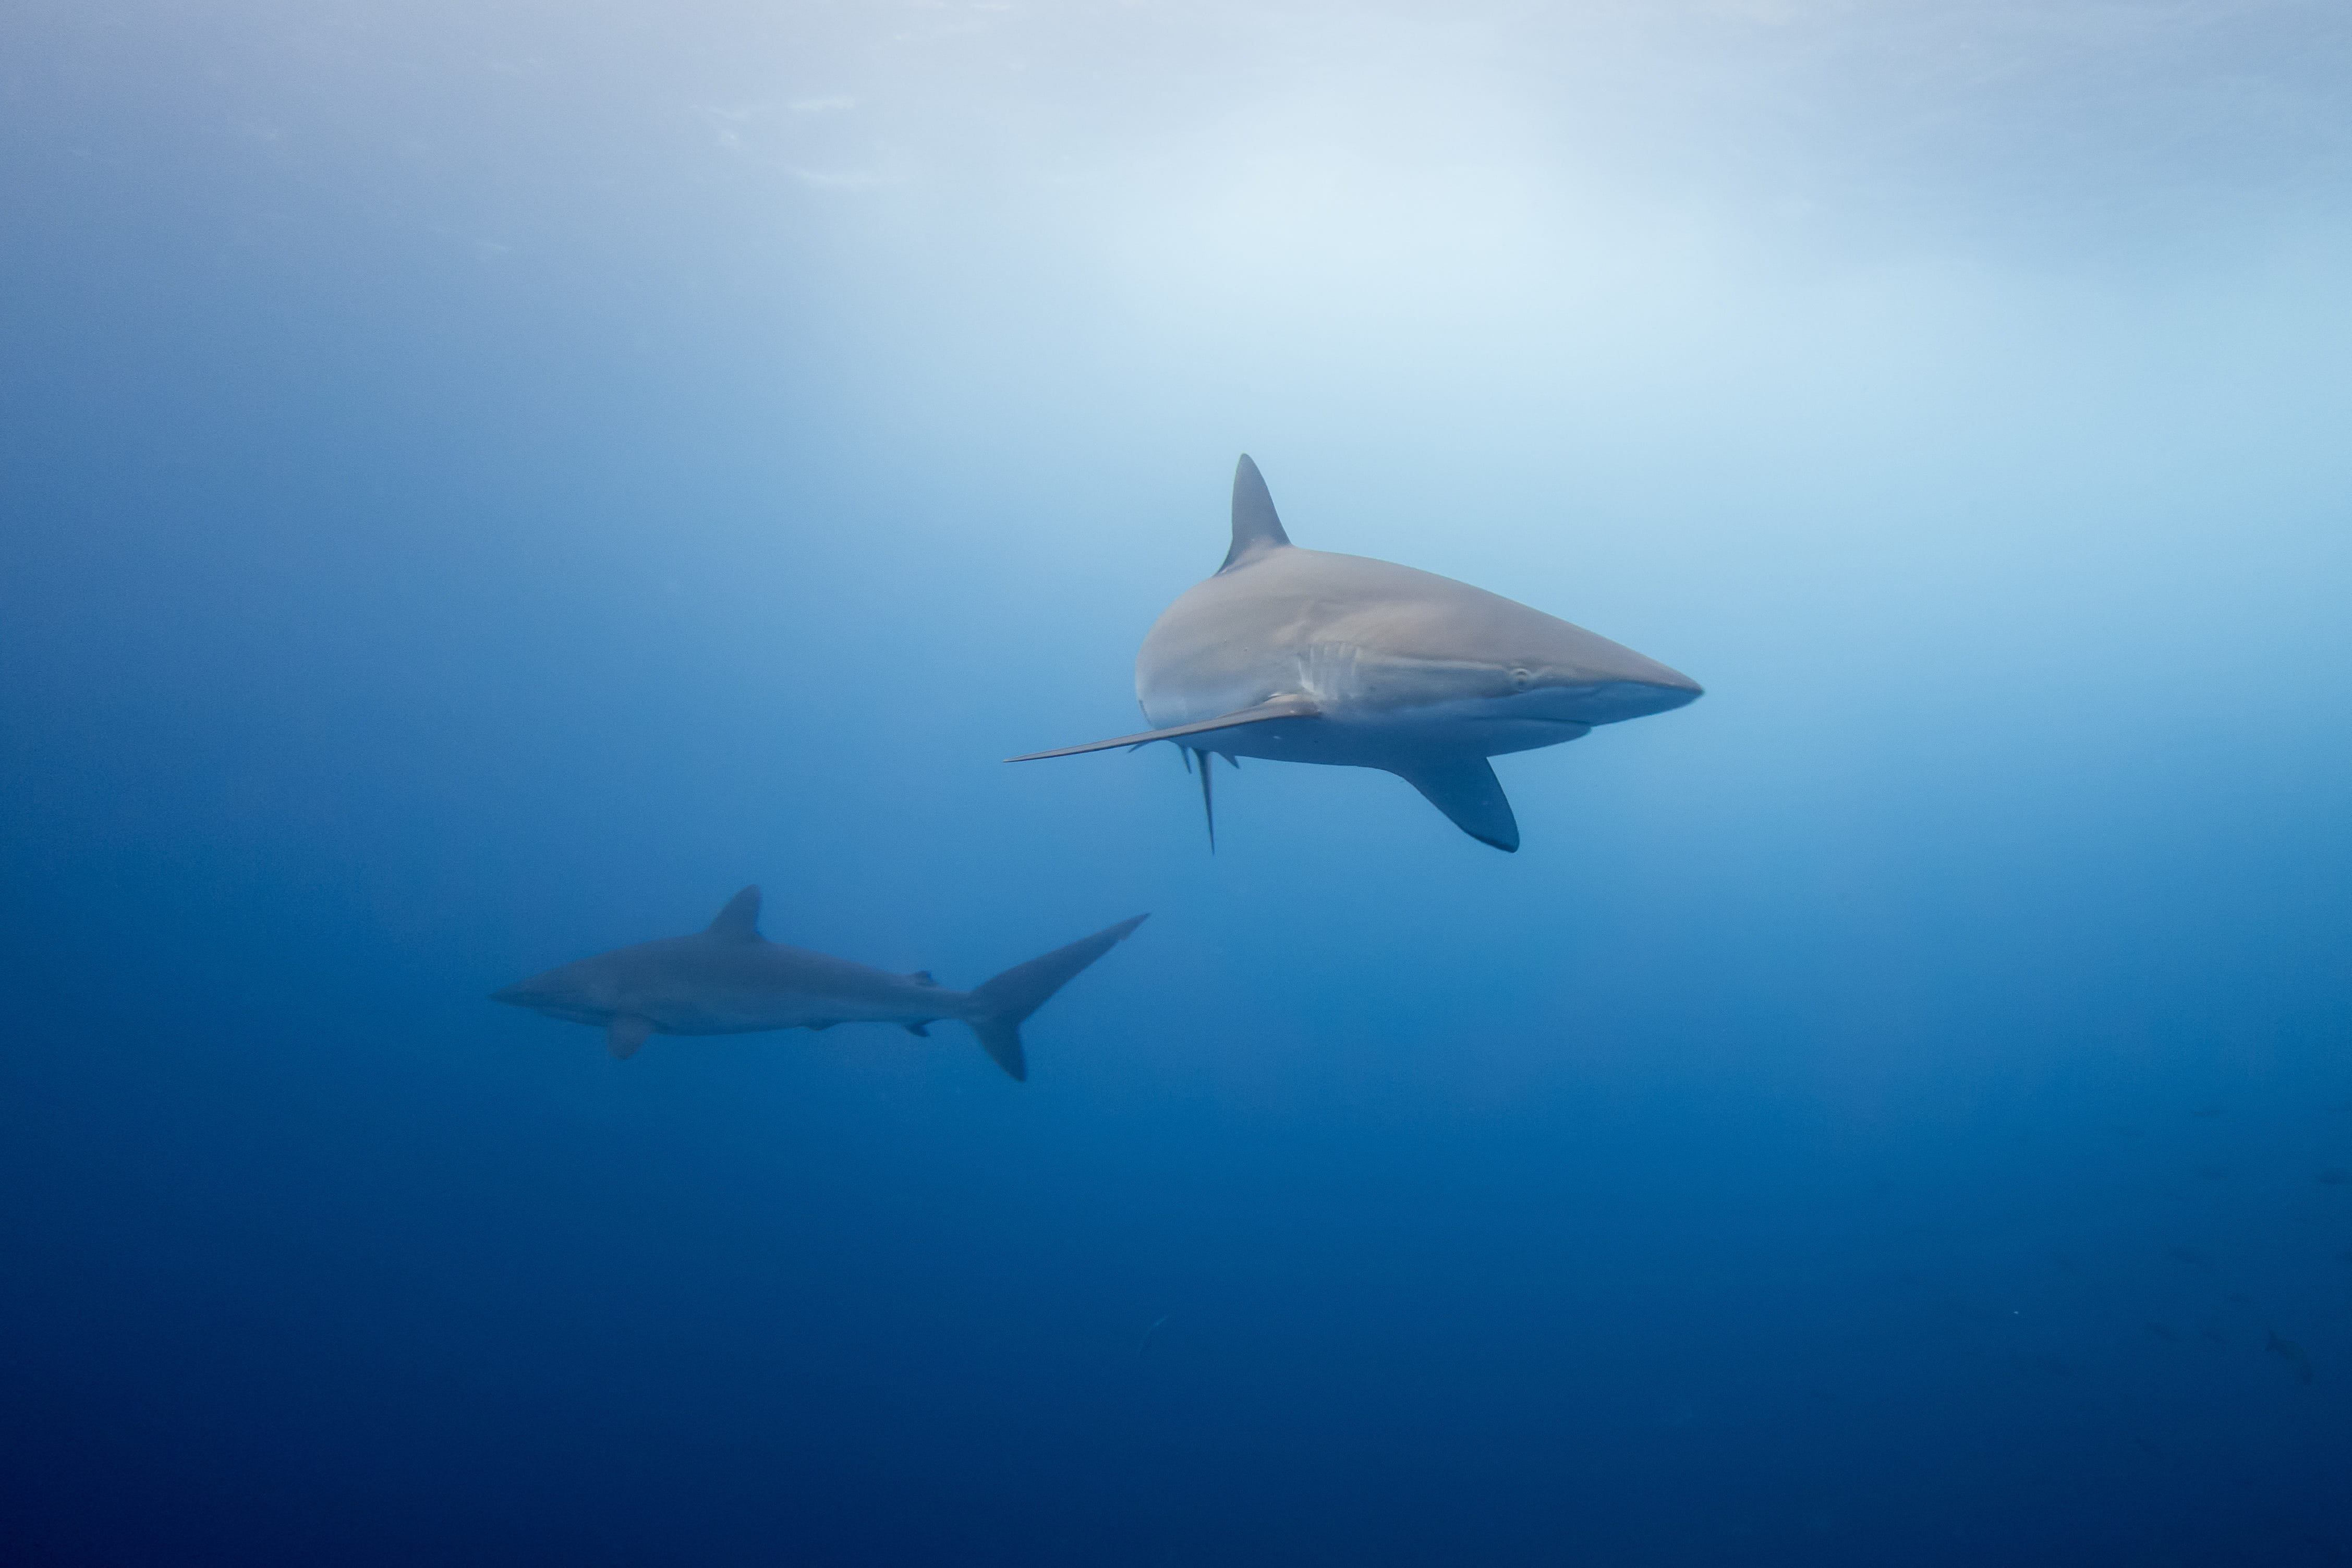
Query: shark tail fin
[1000, 1005]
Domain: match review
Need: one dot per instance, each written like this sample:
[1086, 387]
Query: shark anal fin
[740, 921]
[918, 1030]
[821, 1025]
[1466, 791]
[922, 977]
[625, 1033]
[1264, 713]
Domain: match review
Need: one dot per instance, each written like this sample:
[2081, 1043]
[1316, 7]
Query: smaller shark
[730, 979]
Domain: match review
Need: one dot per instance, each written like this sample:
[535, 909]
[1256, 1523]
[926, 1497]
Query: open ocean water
[480, 482]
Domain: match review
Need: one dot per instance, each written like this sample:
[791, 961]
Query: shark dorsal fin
[740, 921]
[1257, 528]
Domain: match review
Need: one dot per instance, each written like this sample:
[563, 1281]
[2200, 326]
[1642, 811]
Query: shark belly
[1357, 733]
[1384, 740]
[754, 1015]
[707, 1014]
[774, 987]
[754, 1009]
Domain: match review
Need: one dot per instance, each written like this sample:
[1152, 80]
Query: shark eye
[1520, 678]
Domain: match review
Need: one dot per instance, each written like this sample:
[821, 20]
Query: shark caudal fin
[1000, 1005]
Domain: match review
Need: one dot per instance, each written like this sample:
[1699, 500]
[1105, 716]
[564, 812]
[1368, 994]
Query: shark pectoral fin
[625, 1033]
[1466, 791]
[1264, 713]
[919, 1029]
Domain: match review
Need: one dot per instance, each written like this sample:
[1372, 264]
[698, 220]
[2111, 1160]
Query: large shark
[1301, 656]
[730, 979]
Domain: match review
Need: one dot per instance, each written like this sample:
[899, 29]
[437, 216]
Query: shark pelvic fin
[740, 921]
[1209, 801]
[922, 977]
[1267, 711]
[1257, 528]
[915, 1028]
[624, 1034]
[1466, 791]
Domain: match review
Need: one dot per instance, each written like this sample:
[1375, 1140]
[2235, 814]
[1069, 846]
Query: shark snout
[555, 1001]
[1663, 690]
[525, 994]
[541, 992]
[1653, 698]
[581, 993]
[1615, 701]
[1620, 685]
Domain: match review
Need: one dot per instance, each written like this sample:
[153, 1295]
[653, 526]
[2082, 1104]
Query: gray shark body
[730, 979]
[1302, 656]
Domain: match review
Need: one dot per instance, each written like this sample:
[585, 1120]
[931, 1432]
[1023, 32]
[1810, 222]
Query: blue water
[483, 483]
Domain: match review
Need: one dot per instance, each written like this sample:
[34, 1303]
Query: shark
[1303, 655]
[730, 979]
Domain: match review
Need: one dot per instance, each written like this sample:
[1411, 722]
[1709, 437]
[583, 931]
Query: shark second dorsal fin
[740, 921]
[1257, 528]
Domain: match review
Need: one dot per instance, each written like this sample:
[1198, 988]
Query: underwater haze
[484, 482]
